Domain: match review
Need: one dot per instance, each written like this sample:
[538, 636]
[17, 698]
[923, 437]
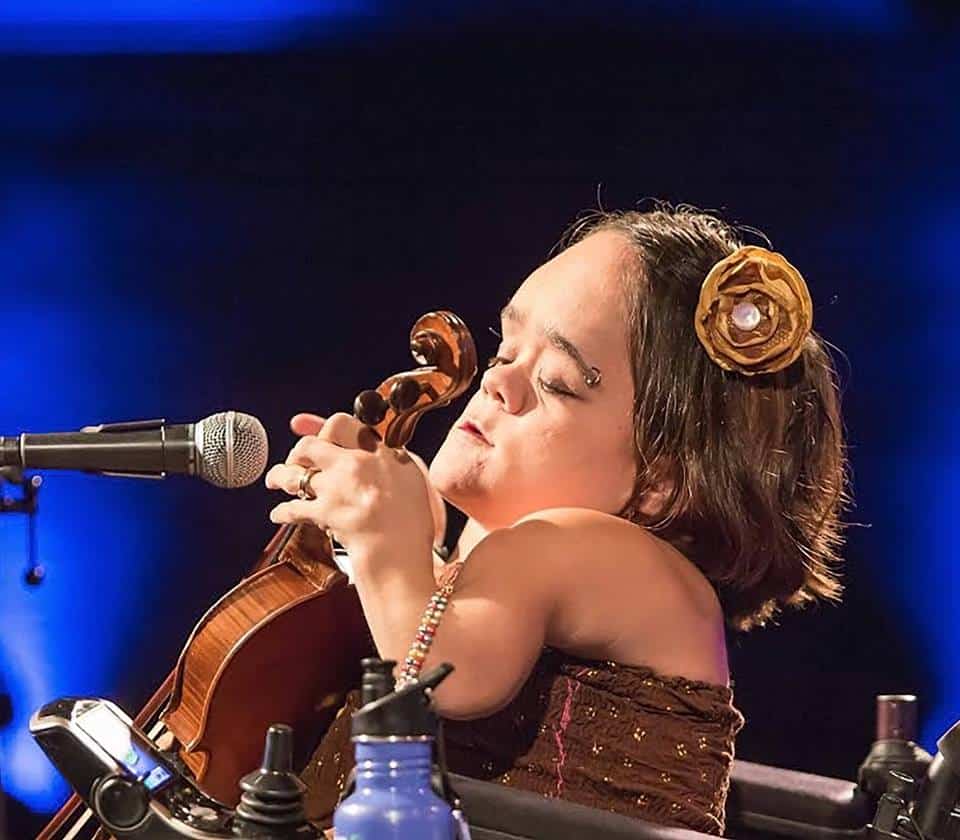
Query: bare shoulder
[579, 527]
[556, 539]
[600, 542]
[580, 547]
[537, 557]
[620, 592]
[587, 550]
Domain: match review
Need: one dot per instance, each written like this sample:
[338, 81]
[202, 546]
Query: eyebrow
[591, 375]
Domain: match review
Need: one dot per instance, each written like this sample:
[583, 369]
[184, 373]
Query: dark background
[188, 227]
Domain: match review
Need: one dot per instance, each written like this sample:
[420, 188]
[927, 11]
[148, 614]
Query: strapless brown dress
[618, 737]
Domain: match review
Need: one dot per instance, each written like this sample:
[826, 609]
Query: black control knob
[120, 803]
[272, 799]
[894, 747]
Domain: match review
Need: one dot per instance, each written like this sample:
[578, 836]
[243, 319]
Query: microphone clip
[128, 426]
[27, 502]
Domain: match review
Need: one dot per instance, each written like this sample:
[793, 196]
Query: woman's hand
[370, 496]
[377, 501]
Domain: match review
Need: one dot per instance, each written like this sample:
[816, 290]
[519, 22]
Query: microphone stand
[27, 502]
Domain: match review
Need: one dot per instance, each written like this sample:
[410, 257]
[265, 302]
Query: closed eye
[556, 388]
[553, 386]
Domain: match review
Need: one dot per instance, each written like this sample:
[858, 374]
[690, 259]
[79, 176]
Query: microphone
[228, 449]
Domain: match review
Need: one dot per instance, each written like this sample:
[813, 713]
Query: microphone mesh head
[231, 449]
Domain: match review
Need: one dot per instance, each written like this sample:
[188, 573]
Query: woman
[655, 451]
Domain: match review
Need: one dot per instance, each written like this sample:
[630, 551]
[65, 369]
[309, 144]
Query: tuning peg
[404, 394]
[370, 408]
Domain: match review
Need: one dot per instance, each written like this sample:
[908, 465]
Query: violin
[285, 644]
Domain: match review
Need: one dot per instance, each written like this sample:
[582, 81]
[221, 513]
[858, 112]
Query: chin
[456, 485]
[455, 469]
[461, 485]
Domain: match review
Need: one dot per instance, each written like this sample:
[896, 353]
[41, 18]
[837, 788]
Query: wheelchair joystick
[894, 747]
[272, 800]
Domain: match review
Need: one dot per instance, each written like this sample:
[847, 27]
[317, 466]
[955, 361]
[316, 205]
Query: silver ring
[304, 488]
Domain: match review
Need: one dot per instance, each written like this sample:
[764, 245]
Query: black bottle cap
[405, 712]
[377, 679]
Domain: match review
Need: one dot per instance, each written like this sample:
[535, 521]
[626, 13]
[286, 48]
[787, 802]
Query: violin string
[87, 813]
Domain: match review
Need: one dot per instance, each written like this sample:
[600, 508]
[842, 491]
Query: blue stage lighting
[78, 348]
[68, 26]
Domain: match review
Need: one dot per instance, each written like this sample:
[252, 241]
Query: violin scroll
[441, 343]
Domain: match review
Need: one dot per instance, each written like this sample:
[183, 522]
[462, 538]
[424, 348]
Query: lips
[474, 430]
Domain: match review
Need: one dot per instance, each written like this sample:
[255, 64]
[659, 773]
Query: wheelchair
[902, 793]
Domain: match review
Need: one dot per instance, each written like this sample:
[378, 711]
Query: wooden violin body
[285, 644]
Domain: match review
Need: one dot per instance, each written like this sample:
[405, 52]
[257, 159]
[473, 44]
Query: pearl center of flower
[745, 316]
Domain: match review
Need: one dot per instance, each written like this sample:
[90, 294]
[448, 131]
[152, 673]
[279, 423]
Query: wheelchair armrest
[763, 801]
[497, 812]
[786, 803]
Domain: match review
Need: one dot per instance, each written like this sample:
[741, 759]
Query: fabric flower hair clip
[754, 312]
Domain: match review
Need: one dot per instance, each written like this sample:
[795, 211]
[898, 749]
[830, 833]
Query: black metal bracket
[26, 502]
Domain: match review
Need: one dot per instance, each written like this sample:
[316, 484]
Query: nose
[504, 383]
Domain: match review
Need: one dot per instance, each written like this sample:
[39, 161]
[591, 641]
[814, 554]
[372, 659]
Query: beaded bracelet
[413, 664]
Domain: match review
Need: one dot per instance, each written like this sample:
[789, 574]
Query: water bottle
[393, 736]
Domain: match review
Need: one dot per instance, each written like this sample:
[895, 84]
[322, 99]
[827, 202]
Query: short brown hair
[757, 464]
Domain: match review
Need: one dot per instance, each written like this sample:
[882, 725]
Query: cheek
[622, 476]
[599, 465]
[552, 456]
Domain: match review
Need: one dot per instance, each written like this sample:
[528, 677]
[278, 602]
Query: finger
[287, 477]
[306, 424]
[295, 512]
[347, 431]
[315, 452]
[421, 464]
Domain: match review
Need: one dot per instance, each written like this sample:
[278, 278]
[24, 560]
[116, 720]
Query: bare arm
[379, 504]
[492, 631]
